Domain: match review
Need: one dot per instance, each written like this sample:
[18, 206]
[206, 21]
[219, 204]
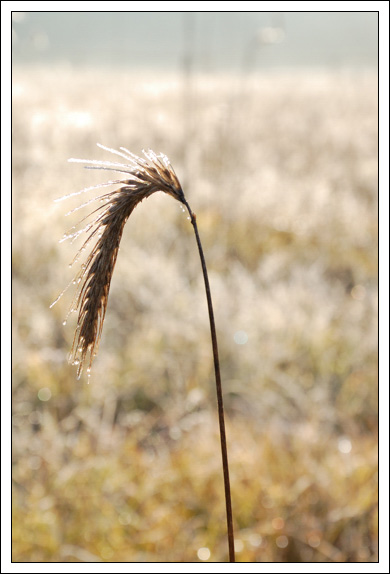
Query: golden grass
[283, 172]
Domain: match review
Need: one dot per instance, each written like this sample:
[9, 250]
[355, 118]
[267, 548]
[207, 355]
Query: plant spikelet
[144, 177]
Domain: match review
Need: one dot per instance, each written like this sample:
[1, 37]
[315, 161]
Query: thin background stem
[229, 513]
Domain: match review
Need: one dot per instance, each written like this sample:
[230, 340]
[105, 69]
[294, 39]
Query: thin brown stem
[225, 465]
[145, 176]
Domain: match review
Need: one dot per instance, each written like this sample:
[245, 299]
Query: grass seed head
[144, 176]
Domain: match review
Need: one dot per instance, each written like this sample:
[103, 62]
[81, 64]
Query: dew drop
[64, 322]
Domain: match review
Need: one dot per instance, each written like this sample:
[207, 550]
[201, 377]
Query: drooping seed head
[144, 176]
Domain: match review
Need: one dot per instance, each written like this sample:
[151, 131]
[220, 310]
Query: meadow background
[281, 169]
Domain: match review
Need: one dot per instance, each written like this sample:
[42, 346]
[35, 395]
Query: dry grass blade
[145, 176]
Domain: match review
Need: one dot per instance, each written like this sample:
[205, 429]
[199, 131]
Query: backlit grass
[282, 174]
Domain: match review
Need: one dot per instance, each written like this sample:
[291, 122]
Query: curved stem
[225, 466]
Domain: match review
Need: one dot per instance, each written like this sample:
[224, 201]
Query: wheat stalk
[144, 177]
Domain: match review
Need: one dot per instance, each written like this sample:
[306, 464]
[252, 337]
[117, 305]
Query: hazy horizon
[197, 41]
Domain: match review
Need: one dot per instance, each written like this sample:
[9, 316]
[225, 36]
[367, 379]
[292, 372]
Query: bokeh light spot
[344, 445]
[358, 292]
[255, 540]
[278, 523]
[240, 337]
[282, 541]
[175, 433]
[203, 553]
[314, 540]
[44, 394]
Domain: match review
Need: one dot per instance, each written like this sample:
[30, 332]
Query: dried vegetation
[282, 173]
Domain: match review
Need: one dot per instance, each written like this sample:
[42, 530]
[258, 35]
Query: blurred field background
[281, 170]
